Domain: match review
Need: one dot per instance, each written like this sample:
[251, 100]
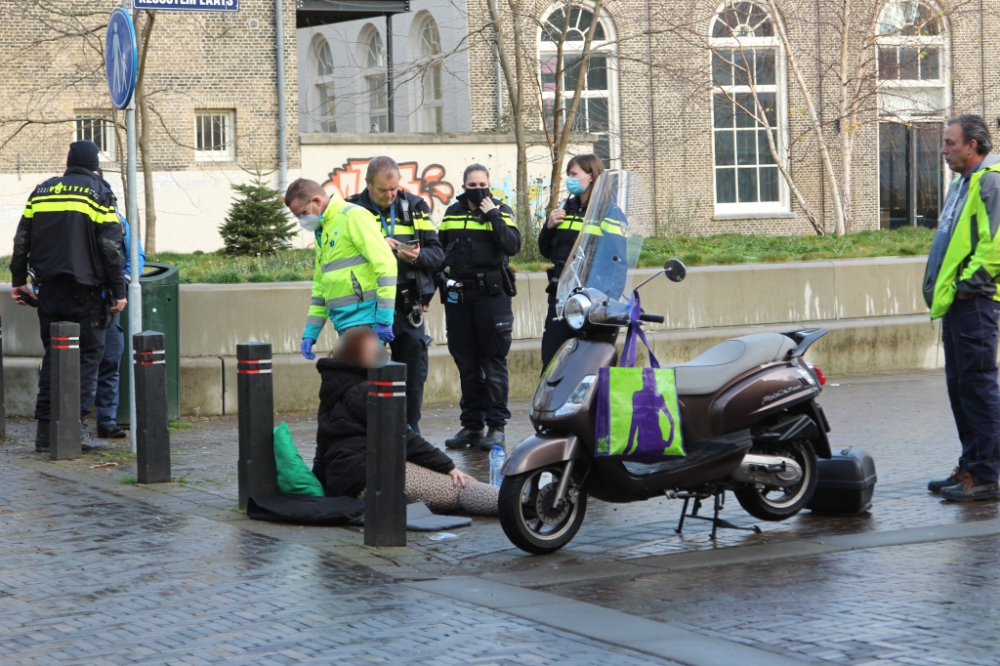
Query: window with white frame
[324, 112]
[911, 61]
[215, 136]
[98, 126]
[375, 95]
[597, 111]
[430, 101]
[747, 118]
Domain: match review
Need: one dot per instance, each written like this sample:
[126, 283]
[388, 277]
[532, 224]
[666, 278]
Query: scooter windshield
[607, 250]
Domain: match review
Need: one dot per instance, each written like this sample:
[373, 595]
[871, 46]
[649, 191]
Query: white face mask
[309, 222]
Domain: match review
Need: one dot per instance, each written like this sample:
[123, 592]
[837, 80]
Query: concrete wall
[872, 308]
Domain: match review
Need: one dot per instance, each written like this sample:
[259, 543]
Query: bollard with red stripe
[153, 429]
[385, 495]
[64, 390]
[256, 470]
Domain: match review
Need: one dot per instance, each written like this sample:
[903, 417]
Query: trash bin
[161, 313]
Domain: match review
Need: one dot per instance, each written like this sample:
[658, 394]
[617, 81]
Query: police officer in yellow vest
[960, 287]
[70, 236]
[354, 283]
[404, 220]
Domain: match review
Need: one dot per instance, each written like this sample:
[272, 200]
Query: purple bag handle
[627, 359]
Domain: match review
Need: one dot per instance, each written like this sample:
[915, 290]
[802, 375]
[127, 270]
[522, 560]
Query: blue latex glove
[453, 297]
[385, 333]
[307, 348]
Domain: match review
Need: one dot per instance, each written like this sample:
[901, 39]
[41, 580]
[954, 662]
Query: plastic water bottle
[497, 458]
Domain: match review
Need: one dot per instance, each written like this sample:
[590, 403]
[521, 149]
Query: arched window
[324, 108]
[597, 111]
[911, 60]
[913, 98]
[376, 96]
[429, 98]
[747, 105]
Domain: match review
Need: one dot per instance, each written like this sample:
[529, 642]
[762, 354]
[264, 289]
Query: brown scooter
[750, 422]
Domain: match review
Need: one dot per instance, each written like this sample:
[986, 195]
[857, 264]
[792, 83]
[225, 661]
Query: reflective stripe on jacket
[972, 261]
[474, 242]
[354, 283]
[413, 223]
[70, 230]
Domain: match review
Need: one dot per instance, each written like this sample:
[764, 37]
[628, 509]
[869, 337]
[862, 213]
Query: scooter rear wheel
[780, 503]
[527, 516]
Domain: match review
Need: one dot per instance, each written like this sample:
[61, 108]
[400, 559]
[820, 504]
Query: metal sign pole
[134, 291]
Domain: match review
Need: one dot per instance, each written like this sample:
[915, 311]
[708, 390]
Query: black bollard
[385, 496]
[257, 472]
[153, 430]
[3, 404]
[64, 388]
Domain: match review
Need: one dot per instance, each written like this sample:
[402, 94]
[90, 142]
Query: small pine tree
[258, 221]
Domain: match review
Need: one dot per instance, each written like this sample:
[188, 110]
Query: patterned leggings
[439, 493]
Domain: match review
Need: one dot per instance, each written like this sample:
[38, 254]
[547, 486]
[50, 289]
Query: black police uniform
[480, 326]
[408, 220]
[555, 244]
[71, 236]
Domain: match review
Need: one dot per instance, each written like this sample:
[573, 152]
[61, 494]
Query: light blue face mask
[574, 186]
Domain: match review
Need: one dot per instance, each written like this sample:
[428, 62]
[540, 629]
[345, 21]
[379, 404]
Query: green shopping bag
[294, 477]
[638, 417]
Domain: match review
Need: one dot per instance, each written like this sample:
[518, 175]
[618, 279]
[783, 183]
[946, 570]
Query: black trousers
[556, 333]
[57, 302]
[969, 336]
[480, 330]
[410, 347]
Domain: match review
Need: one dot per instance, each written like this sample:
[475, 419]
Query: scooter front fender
[541, 450]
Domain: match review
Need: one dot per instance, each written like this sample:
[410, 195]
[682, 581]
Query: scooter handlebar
[655, 319]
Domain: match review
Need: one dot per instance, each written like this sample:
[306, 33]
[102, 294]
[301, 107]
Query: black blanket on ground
[305, 509]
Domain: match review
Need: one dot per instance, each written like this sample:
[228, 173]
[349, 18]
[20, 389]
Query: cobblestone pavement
[919, 605]
[90, 579]
[902, 419]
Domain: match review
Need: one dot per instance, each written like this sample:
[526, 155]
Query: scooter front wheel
[529, 516]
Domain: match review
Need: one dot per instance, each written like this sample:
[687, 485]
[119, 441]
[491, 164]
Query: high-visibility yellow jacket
[354, 283]
[971, 263]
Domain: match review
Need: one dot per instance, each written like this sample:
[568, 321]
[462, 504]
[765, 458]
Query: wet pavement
[87, 578]
[888, 598]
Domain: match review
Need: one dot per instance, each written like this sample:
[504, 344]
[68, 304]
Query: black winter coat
[342, 436]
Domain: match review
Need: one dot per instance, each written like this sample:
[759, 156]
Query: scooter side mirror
[675, 270]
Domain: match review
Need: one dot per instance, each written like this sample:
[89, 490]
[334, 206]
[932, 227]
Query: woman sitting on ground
[342, 437]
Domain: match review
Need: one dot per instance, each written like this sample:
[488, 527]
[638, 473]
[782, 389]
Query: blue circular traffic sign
[121, 58]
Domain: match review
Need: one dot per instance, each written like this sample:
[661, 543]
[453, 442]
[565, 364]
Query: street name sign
[189, 5]
[121, 58]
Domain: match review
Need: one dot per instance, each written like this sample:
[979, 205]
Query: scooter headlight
[576, 399]
[576, 310]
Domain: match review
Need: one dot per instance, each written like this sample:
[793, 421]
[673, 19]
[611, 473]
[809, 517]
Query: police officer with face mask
[404, 220]
[479, 234]
[556, 240]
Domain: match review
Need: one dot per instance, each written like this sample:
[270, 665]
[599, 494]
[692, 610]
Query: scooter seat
[719, 364]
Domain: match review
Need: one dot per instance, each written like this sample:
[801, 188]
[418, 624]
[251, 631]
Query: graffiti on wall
[349, 179]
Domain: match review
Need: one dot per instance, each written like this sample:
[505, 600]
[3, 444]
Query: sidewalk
[901, 585]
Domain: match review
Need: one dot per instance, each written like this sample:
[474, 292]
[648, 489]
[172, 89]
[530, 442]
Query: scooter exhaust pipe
[777, 471]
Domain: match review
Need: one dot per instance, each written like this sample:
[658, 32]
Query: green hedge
[297, 265]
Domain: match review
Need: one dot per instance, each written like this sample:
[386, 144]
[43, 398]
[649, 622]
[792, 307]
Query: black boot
[110, 431]
[42, 436]
[937, 485]
[465, 437]
[494, 437]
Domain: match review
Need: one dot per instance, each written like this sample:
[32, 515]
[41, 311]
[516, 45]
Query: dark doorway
[910, 174]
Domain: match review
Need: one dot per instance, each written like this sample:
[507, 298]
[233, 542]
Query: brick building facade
[670, 58]
[211, 79]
